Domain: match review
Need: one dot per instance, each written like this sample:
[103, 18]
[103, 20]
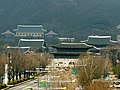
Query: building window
[26, 34]
[23, 34]
[60, 62]
[39, 34]
[30, 34]
[17, 34]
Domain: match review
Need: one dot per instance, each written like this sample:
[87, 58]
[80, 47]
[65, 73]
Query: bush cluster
[3, 86]
[18, 81]
[14, 82]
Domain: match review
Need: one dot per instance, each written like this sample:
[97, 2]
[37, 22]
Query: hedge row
[15, 82]
[18, 81]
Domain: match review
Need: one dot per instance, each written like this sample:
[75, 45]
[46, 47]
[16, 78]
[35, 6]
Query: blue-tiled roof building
[30, 31]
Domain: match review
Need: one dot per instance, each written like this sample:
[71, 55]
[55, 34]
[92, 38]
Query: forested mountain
[70, 18]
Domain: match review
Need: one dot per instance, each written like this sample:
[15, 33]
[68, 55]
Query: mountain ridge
[68, 18]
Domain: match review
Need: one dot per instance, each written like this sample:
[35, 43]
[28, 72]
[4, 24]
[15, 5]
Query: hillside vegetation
[71, 18]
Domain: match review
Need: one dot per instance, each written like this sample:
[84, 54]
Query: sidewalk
[9, 86]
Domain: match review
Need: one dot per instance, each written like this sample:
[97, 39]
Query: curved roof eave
[113, 41]
[99, 36]
[31, 40]
[78, 44]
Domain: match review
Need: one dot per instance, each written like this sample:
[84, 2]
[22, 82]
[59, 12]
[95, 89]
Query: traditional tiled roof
[72, 45]
[98, 40]
[18, 49]
[118, 27]
[51, 33]
[65, 53]
[33, 43]
[94, 49]
[8, 32]
[70, 50]
[29, 28]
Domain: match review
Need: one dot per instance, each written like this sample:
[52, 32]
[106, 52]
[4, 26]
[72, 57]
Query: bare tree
[93, 67]
[113, 53]
[3, 61]
[42, 59]
[64, 80]
[98, 84]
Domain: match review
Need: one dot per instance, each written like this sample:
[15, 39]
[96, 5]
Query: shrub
[2, 86]
[15, 82]
[26, 78]
[11, 82]
[19, 81]
[31, 77]
[22, 79]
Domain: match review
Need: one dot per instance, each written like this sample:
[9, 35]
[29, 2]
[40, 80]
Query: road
[31, 83]
[34, 85]
[47, 77]
[25, 85]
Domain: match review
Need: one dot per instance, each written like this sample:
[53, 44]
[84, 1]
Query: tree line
[18, 63]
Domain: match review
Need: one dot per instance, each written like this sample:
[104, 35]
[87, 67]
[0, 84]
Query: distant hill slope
[71, 18]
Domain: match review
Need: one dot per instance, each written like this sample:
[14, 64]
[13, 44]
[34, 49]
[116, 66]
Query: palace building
[67, 53]
[99, 41]
[18, 49]
[9, 36]
[34, 31]
[34, 44]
